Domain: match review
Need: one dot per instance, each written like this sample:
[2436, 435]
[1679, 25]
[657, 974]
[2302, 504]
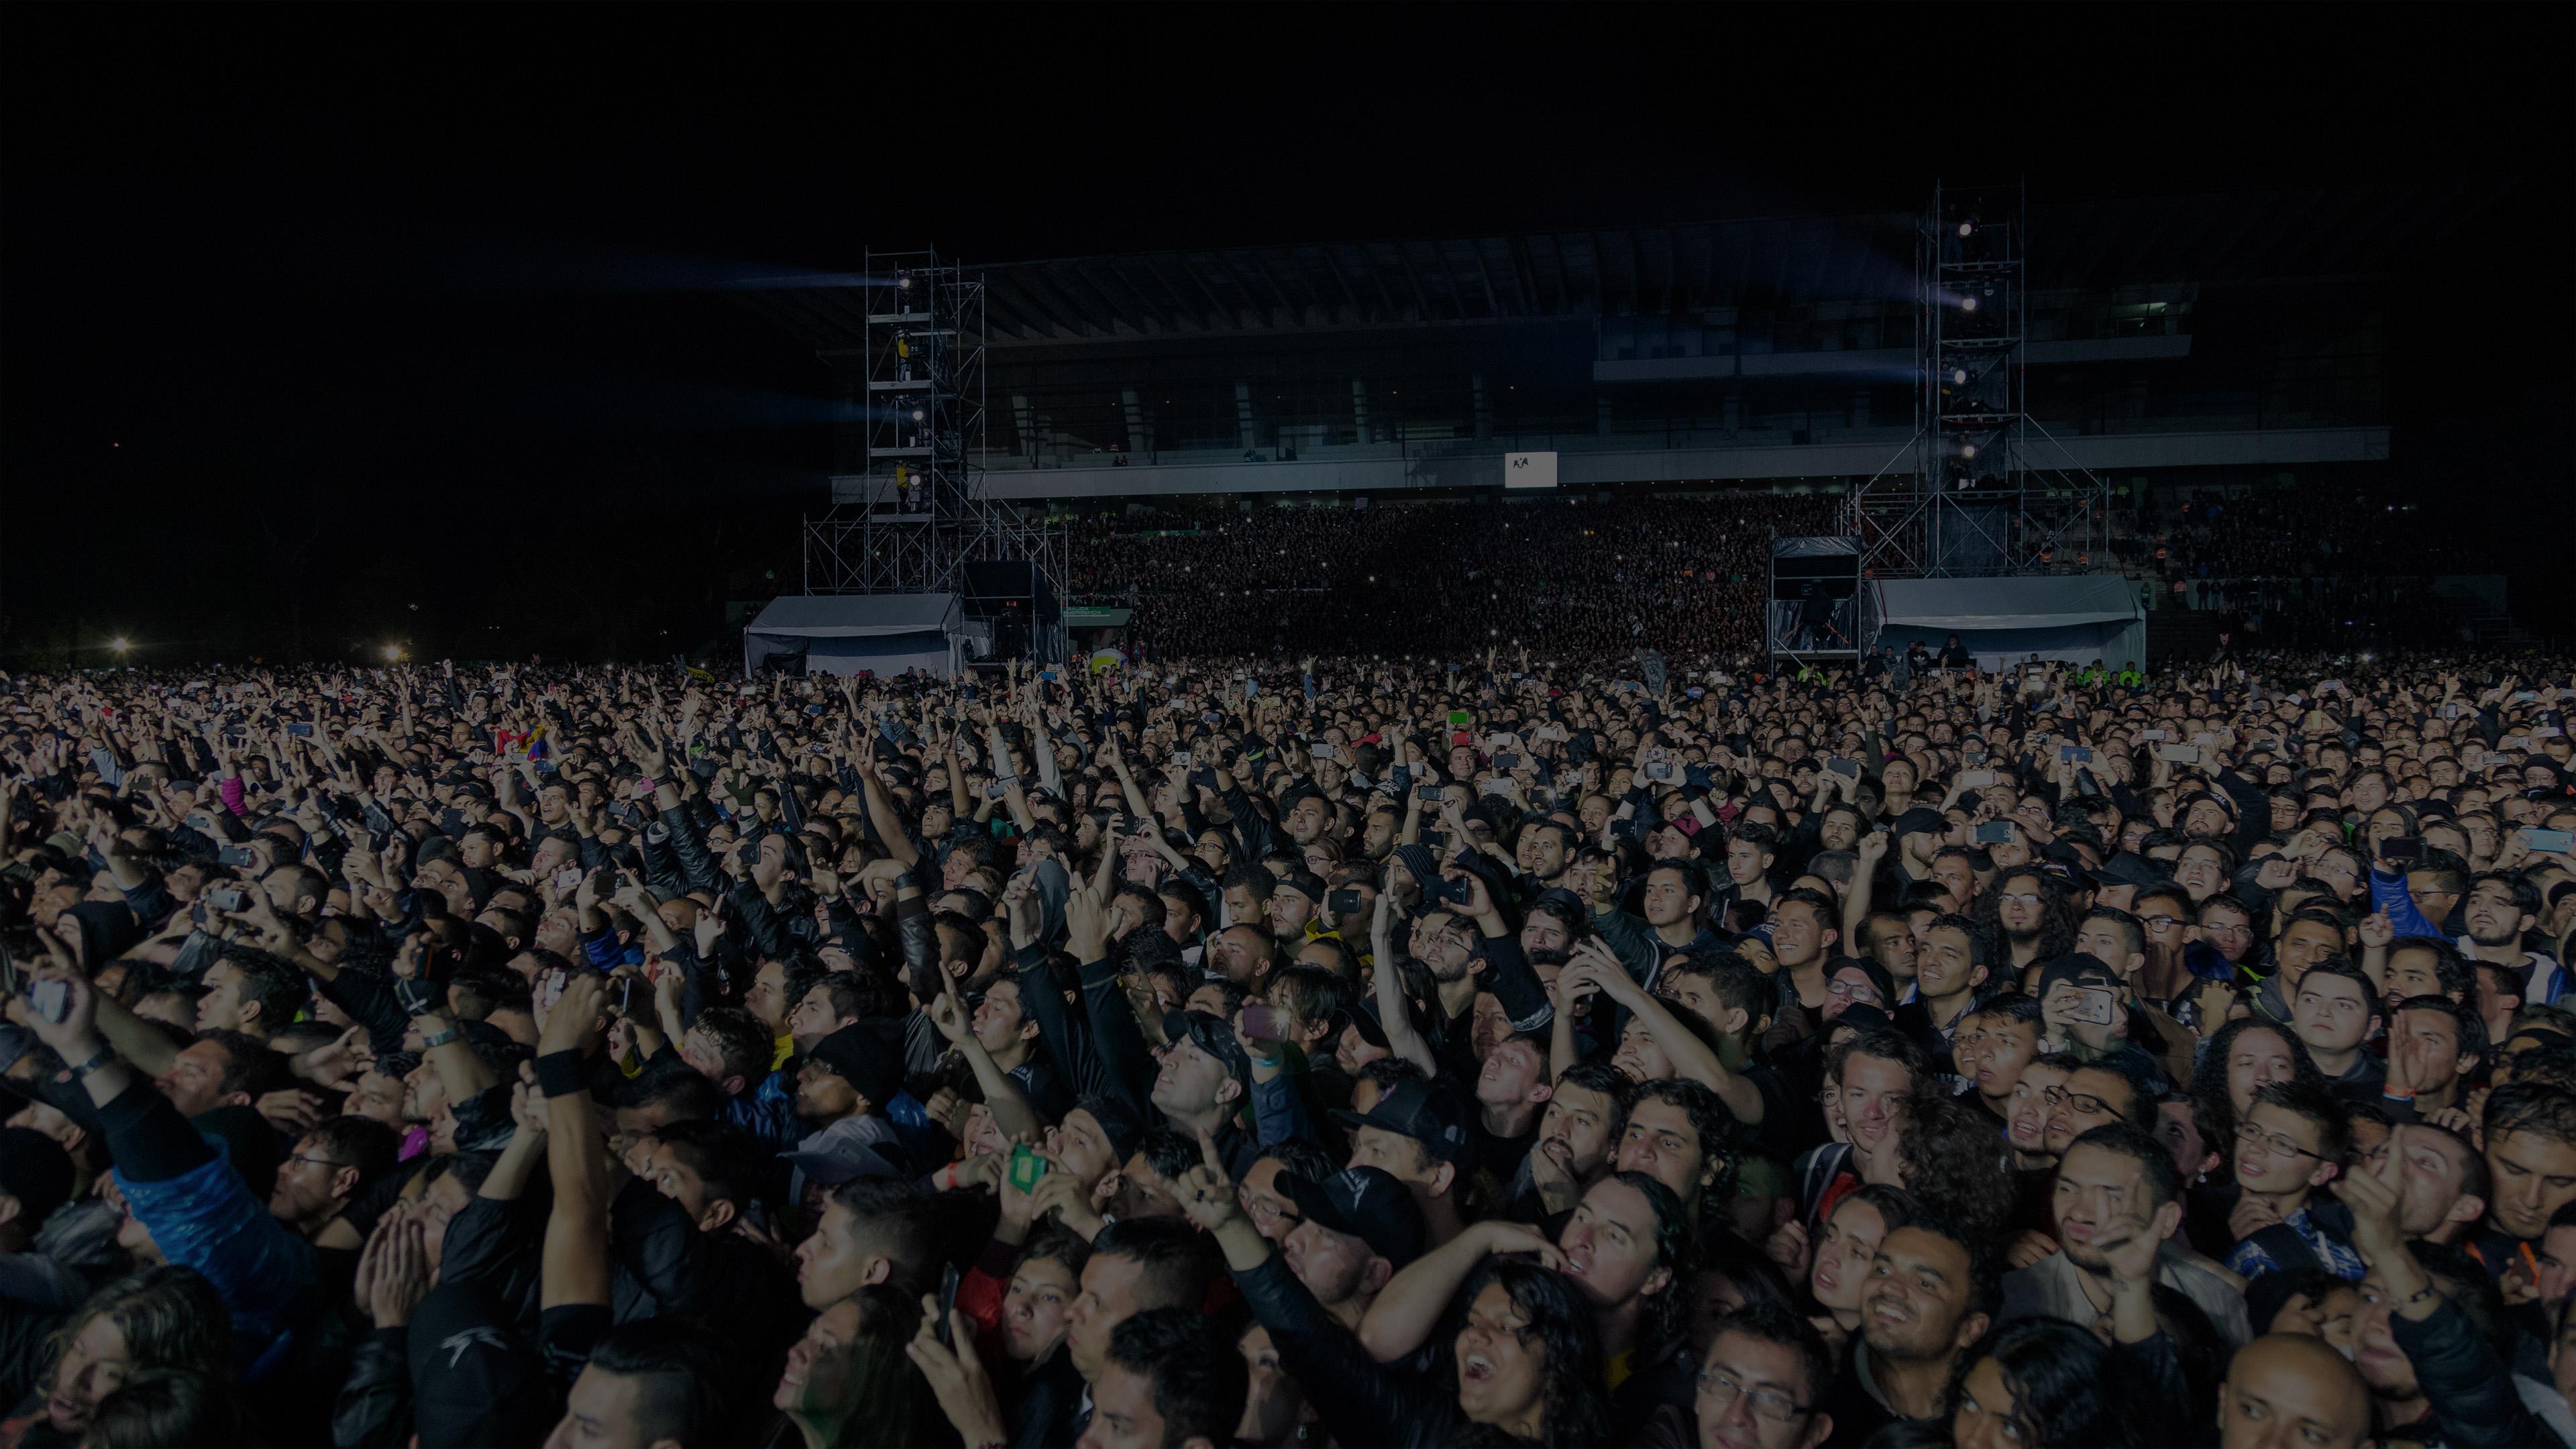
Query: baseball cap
[2131, 868]
[1125, 1130]
[1367, 1203]
[1303, 883]
[1211, 1035]
[868, 1054]
[1861, 1016]
[1921, 820]
[1363, 1016]
[2082, 969]
[1429, 1114]
[1867, 966]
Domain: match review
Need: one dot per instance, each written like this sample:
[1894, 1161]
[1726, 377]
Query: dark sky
[326, 325]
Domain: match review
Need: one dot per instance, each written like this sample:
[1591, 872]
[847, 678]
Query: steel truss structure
[1982, 489]
[913, 519]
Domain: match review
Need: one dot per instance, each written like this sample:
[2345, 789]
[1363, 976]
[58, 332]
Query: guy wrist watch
[101, 1058]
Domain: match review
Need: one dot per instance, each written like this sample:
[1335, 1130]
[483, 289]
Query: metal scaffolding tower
[913, 519]
[1982, 489]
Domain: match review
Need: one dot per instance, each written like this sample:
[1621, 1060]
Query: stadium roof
[1677, 269]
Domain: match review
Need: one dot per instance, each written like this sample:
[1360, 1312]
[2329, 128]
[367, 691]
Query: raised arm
[1393, 1017]
[576, 1256]
[1403, 1316]
[1009, 1106]
[1691, 1057]
[1871, 848]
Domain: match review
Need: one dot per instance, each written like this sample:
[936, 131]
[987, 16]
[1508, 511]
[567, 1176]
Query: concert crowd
[1514, 1043]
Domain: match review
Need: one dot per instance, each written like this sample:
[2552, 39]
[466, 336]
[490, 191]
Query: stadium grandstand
[1241, 438]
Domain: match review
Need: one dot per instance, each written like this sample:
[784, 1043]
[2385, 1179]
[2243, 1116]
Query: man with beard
[1577, 1133]
[1544, 850]
[842, 1092]
[1929, 1297]
[1355, 1231]
[2115, 1185]
[2028, 908]
[1243, 954]
[2499, 909]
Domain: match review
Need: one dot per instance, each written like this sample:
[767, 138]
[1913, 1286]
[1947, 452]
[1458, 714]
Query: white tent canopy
[2077, 618]
[846, 633]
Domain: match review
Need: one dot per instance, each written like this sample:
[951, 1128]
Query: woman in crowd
[161, 1319]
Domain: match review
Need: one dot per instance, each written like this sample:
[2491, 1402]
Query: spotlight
[904, 281]
[120, 644]
[1968, 304]
[393, 654]
[1966, 227]
[1959, 376]
[916, 415]
[1968, 451]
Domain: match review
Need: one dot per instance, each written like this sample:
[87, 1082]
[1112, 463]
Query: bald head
[2290, 1391]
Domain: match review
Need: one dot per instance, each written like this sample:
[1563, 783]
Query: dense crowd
[1681, 575]
[1481, 1051]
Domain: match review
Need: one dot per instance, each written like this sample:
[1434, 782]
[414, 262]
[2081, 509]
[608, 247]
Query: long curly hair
[2057, 920]
[171, 1318]
[1561, 1325]
[1956, 1165]
[2211, 1107]
[1666, 1311]
[2064, 1392]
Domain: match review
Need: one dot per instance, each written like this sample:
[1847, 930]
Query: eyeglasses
[2084, 1102]
[1860, 989]
[2021, 898]
[2272, 1141]
[1721, 1390]
[2160, 923]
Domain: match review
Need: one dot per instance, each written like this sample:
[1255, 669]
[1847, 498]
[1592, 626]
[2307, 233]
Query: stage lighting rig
[1981, 489]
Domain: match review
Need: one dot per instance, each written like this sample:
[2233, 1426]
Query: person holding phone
[2083, 1007]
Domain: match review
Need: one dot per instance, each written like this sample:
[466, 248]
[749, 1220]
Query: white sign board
[1529, 470]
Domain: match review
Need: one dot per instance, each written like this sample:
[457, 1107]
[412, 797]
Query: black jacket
[1370, 1403]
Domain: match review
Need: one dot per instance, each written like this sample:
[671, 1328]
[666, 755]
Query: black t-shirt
[1857, 1412]
[1500, 1156]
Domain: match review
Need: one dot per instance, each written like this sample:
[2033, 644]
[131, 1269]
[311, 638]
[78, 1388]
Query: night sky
[323, 326]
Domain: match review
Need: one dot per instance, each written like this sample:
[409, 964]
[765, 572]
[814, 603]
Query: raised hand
[574, 1018]
[1207, 1190]
[956, 1374]
[1787, 1246]
[2371, 1193]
